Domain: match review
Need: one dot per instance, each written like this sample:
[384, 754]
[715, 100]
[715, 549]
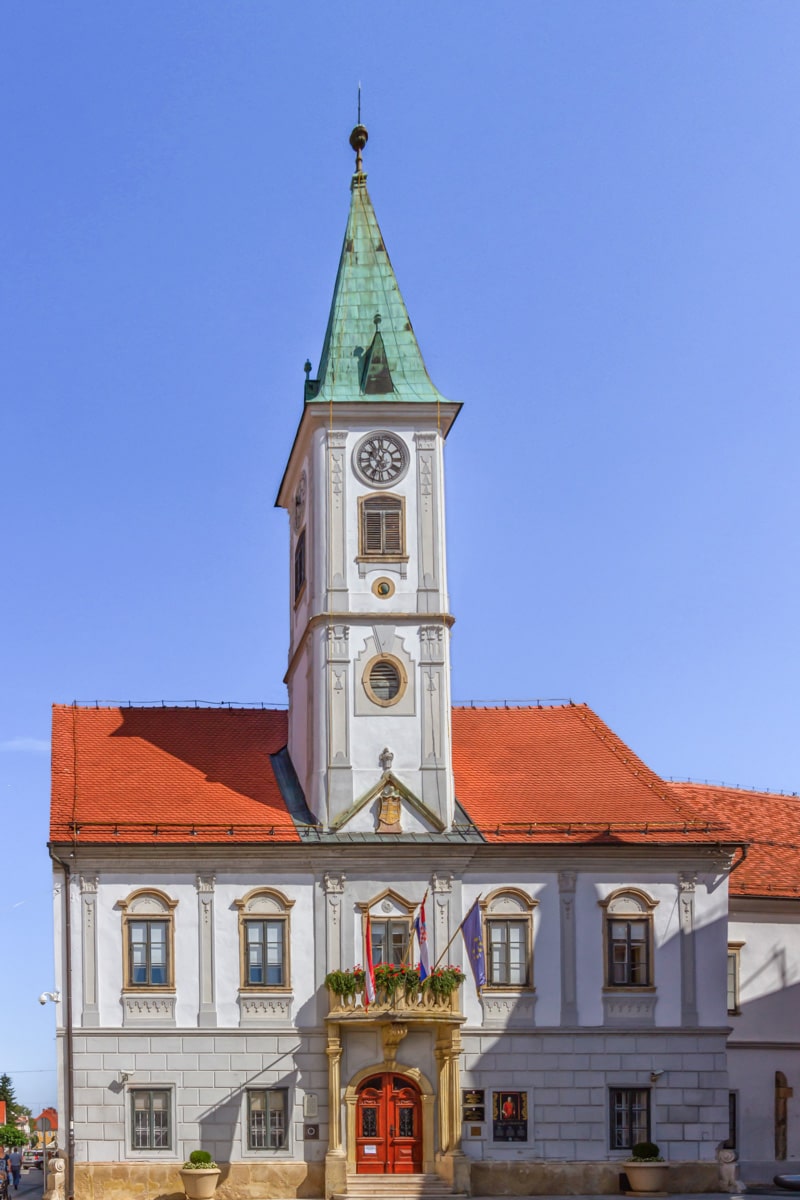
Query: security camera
[43, 998]
[654, 1075]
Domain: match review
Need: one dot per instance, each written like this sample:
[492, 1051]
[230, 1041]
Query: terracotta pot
[647, 1176]
[200, 1185]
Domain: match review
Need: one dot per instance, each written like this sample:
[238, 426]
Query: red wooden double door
[388, 1126]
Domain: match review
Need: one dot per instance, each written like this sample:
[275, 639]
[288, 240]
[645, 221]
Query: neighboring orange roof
[771, 825]
[51, 1115]
[191, 775]
[119, 774]
[559, 774]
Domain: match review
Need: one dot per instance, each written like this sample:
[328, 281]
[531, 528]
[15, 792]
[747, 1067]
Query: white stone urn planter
[200, 1184]
[646, 1176]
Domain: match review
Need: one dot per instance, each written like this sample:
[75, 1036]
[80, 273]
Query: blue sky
[591, 207]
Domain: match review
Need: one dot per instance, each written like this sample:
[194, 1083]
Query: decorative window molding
[385, 680]
[390, 918]
[148, 939]
[267, 1119]
[508, 939]
[382, 528]
[264, 941]
[628, 946]
[628, 1117]
[734, 966]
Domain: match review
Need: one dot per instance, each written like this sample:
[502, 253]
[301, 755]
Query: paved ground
[30, 1184]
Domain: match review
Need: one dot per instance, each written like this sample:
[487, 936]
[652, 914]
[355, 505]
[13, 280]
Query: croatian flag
[422, 938]
[369, 975]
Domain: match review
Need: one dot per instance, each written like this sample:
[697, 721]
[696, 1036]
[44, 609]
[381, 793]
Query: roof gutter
[69, 1088]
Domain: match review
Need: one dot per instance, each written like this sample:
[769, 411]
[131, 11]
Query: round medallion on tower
[381, 458]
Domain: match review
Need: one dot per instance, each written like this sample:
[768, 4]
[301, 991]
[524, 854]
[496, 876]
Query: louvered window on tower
[382, 532]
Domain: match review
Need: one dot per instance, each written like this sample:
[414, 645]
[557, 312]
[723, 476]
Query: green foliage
[200, 1160]
[7, 1093]
[443, 981]
[10, 1135]
[345, 983]
[645, 1152]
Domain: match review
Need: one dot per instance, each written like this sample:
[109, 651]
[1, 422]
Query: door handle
[391, 1130]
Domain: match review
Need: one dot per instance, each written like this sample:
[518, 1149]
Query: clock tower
[369, 655]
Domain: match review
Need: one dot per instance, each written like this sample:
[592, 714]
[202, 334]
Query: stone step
[397, 1187]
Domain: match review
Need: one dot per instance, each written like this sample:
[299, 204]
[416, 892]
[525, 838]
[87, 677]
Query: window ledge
[264, 1007]
[148, 1007]
[508, 1008]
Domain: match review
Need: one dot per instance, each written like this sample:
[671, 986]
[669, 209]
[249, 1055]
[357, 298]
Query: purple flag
[473, 940]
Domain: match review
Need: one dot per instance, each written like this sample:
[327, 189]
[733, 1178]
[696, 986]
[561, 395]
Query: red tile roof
[771, 825]
[559, 774]
[531, 775]
[135, 770]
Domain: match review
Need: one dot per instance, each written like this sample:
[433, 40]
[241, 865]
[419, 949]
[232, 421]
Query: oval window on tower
[384, 680]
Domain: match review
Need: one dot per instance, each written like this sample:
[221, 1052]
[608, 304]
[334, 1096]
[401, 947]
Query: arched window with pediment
[264, 940]
[508, 938]
[628, 938]
[148, 938]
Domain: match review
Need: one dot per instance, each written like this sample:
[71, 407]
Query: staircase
[397, 1187]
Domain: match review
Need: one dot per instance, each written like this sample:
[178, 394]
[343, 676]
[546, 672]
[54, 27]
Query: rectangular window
[265, 953]
[389, 941]
[628, 953]
[730, 1141]
[382, 532]
[733, 979]
[508, 952]
[630, 1117]
[148, 943]
[150, 1109]
[266, 1118]
[300, 565]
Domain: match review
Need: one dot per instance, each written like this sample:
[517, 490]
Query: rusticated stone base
[543, 1178]
[239, 1181]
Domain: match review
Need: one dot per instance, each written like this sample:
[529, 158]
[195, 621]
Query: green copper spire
[370, 352]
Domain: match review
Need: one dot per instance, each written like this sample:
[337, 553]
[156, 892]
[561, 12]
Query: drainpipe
[69, 1090]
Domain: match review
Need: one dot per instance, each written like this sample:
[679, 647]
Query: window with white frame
[628, 937]
[629, 1113]
[150, 1119]
[267, 1122]
[508, 938]
[264, 940]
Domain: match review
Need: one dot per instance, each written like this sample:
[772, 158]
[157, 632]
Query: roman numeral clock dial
[381, 458]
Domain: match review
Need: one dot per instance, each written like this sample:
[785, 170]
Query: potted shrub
[646, 1169]
[199, 1175]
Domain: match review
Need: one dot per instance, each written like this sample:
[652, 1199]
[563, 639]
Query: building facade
[218, 871]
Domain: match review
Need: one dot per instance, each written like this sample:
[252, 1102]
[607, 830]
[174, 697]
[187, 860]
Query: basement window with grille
[385, 680]
[382, 527]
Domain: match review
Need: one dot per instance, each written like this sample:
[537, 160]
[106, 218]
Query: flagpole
[410, 945]
[457, 932]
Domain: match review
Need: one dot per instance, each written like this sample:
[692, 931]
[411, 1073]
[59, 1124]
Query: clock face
[300, 502]
[381, 458]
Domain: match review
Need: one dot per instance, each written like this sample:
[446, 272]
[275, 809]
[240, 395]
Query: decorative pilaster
[428, 588]
[91, 1009]
[569, 973]
[335, 511]
[686, 886]
[442, 889]
[337, 667]
[334, 1053]
[333, 887]
[207, 1013]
